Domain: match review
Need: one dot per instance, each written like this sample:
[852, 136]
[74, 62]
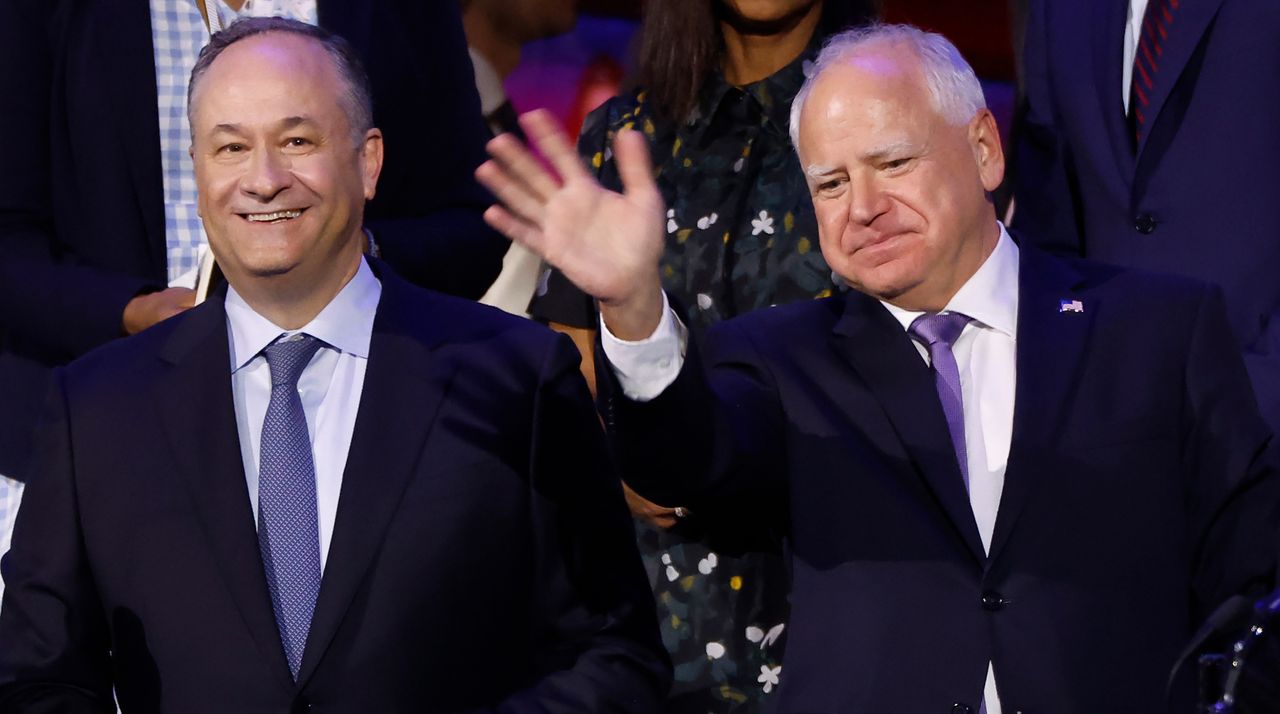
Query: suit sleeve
[713, 441]
[54, 644]
[1234, 498]
[1047, 202]
[50, 302]
[598, 648]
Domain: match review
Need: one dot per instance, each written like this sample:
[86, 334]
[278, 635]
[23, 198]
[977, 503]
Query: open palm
[606, 243]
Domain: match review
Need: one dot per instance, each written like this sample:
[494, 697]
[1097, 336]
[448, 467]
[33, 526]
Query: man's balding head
[899, 152]
[357, 97]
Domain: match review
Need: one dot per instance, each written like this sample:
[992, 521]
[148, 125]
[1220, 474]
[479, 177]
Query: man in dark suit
[430, 534]
[83, 227]
[1146, 140]
[1007, 481]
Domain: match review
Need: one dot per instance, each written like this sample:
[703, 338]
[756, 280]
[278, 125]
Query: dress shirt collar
[990, 296]
[345, 324]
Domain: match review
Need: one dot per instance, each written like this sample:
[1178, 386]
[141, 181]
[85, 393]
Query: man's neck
[291, 301]
[968, 264]
[753, 53]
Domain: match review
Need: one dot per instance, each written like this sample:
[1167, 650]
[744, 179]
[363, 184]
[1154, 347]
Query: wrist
[635, 316]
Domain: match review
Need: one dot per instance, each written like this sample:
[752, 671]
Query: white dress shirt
[330, 385]
[1132, 32]
[985, 353]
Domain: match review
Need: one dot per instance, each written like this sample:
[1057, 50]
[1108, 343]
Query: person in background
[99, 231]
[324, 486]
[1148, 139]
[716, 80]
[496, 32]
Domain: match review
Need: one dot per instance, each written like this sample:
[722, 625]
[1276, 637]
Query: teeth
[265, 217]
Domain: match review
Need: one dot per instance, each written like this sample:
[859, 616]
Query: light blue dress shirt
[330, 385]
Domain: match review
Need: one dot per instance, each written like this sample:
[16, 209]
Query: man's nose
[867, 200]
[266, 174]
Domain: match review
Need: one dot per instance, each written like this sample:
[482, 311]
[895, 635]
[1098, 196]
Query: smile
[273, 217]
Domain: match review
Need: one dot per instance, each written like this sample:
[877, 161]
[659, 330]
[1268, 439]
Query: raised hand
[606, 243]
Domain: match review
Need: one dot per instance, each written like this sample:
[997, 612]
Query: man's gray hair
[356, 100]
[954, 88]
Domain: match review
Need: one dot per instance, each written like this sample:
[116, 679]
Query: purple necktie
[938, 331]
[288, 523]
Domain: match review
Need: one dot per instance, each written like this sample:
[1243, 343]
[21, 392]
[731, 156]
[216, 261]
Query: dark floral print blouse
[741, 235]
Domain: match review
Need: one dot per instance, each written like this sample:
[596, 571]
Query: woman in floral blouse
[717, 79]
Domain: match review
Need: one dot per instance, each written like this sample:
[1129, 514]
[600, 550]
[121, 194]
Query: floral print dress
[741, 235]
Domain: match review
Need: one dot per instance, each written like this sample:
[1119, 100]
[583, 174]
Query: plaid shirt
[178, 33]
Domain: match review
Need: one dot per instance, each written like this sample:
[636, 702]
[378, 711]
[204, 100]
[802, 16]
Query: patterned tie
[938, 331]
[1156, 22]
[288, 527]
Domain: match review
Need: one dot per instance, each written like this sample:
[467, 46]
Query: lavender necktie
[288, 526]
[938, 331]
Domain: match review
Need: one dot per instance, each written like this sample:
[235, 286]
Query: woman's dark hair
[681, 45]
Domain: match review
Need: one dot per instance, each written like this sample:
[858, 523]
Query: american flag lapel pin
[1070, 306]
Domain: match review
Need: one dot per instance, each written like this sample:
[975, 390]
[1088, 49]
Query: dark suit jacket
[81, 198]
[481, 554]
[1198, 196]
[1138, 494]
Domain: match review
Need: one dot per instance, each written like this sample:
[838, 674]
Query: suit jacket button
[992, 601]
[961, 708]
[1145, 224]
[300, 706]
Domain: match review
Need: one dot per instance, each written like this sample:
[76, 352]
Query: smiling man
[1007, 482]
[324, 489]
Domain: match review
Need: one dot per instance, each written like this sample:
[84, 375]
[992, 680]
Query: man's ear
[984, 138]
[371, 161]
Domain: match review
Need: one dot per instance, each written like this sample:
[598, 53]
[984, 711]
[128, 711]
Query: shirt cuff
[645, 368]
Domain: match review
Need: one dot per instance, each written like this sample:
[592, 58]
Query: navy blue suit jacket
[1198, 195]
[482, 558]
[1139, 493]
[81, 193]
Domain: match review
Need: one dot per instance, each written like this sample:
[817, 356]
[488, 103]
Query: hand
[659, 516]
[146, 310]
[606, 243]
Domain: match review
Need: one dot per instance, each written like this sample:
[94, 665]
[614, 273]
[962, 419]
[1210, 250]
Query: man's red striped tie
[1146, 63]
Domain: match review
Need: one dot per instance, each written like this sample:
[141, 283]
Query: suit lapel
[1108, 29]
[195, 401]
[403, 388]
[121, 35]
[1051, 350]
[1192, 20]
[881, 352]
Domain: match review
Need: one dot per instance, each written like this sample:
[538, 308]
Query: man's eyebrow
[286, 123]
[896, 148]
[819, 171]
[295, 121]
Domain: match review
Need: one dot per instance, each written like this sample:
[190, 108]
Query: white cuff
[646, 367]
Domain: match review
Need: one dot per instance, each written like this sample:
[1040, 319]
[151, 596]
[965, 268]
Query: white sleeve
[646, 367]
